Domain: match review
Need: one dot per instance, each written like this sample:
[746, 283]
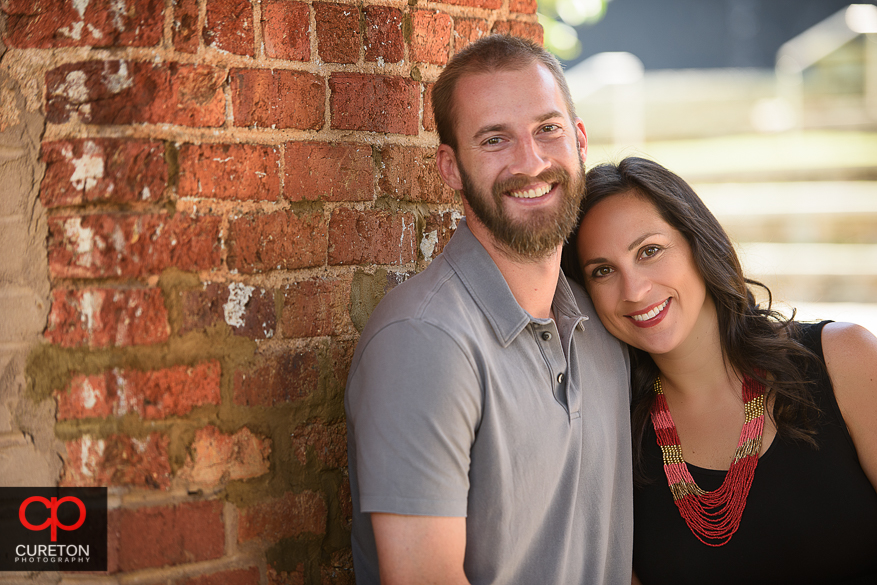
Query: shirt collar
[481, 277]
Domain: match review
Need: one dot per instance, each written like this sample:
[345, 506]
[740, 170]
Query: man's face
[520, 158]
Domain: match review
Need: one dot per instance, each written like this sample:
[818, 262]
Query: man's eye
[493, 141]
[550, 127]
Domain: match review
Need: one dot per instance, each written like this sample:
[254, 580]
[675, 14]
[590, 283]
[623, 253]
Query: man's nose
[528, 158]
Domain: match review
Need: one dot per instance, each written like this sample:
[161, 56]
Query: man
[487, 407]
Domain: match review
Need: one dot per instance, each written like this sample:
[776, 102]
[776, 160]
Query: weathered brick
[286, 30]
[329, 172]
[469, 30]
[338, 37]
[229, 171]
[340, 356]
[102, 169]
[440, 226]
[296, 577]
[249, 311]
[135, 92]
[216, 457]
[383, 34]
[527, 30]
[185, 26]
[107, 317]
[248, 576]
[44, 24]
[152, 394]
[367, 288]
[108, 245]
[118, 460]
[339, 571]
[170, 535]
[428, 117]
[284, 517]
[410, 174]
[523, 6]
[431, 37]
[269, 98]
[282, 240]
[315, 307]
[279, 377]
[376, 103]
[327, 441]
[229, 26]
[371, 237]
[485, 4]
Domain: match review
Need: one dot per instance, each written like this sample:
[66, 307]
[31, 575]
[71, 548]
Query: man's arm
[420, 550]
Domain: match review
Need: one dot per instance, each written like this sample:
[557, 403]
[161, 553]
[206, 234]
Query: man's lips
[651, 316]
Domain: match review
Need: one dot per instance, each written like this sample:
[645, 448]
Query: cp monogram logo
[53, 521]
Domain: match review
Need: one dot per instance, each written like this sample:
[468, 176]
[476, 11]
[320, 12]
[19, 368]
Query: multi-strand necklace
[713, 516]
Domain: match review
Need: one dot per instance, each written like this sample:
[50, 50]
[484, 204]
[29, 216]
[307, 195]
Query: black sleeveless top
[811, 514]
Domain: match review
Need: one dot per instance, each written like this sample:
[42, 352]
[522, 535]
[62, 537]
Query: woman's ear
[446, 161]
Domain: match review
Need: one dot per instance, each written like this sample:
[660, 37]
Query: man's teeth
[531, 193]
[651, 314]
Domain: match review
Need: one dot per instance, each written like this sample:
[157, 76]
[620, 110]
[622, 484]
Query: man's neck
[532, 282]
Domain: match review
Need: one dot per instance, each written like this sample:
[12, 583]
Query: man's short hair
[486, 55]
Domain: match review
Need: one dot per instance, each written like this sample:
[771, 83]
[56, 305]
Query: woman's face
[641, 276]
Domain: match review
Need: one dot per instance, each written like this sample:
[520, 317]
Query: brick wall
[214, 195]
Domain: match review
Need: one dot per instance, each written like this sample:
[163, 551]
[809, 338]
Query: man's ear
[581, 138]
[446, 161]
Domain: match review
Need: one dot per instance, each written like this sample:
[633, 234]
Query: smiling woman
[736, 407]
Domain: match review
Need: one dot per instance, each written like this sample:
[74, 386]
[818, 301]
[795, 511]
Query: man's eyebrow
[500, 127]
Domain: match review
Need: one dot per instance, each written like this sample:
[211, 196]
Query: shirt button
[560, 378]
[546, 336]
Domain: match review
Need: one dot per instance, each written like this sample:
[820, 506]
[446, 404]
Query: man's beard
[543, 230]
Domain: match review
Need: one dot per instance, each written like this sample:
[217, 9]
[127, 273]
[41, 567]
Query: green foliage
[559, 17]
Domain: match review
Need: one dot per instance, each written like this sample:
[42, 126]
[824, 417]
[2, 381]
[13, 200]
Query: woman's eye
[650, 251]
[601, 271]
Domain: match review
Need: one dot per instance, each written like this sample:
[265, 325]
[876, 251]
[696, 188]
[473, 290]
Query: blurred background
[767, 107]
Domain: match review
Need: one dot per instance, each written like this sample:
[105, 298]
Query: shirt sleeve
[413, 406]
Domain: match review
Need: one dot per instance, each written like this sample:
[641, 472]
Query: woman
[791, 497]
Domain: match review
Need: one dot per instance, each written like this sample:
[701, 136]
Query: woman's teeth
[651, 314]
[531, 193]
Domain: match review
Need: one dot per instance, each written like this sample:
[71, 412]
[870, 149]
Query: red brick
[153, 394]
[469, 30]
[296, 577]
[248, 576]
[215, 457]
[431, 37]
[383, 34]
[171, 535]
[266, 98]
[132, 92]
[376, 103]
[185, 26]
[229, 26]
[527, 30]
[284, 517]
[118, 460]
[410, 173]
[286, 30]
[371, 237]
[327, 441]
[107, 245]
[485, 4]
[107, 317]
[316, 307]
[245, 172]
[280, 376]
[339, 571]
[440, 226]
[249, 311]
[523, 6]
[338, 37]
[329, 172]
[428, 117]
[102, 169]
[340, 355]
[45, 24]
[282, 240]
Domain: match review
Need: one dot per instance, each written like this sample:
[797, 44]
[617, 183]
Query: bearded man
[487, 408]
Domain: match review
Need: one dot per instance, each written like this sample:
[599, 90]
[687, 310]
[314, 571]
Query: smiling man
[488, 428]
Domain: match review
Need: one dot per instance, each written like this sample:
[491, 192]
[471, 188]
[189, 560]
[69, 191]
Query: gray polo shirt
[459, 403]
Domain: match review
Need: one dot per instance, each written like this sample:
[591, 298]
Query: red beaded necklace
[713, 516]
